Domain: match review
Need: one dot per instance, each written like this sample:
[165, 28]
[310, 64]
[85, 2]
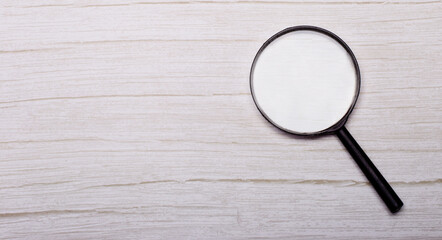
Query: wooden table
[134, 120]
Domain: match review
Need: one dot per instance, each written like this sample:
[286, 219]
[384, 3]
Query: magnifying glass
[305, 80]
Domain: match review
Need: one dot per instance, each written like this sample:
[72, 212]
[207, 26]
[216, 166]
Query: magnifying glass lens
[304, 81]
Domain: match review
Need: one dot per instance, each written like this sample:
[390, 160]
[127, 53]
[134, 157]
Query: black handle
[373, 175]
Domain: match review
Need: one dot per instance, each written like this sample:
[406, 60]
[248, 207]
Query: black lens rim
[339, 124]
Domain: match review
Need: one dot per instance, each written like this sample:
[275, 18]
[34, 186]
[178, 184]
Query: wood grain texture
[134, 120]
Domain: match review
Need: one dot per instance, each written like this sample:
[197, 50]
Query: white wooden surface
[133, 120]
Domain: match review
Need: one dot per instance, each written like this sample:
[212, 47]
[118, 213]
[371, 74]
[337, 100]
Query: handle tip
[396, 207]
